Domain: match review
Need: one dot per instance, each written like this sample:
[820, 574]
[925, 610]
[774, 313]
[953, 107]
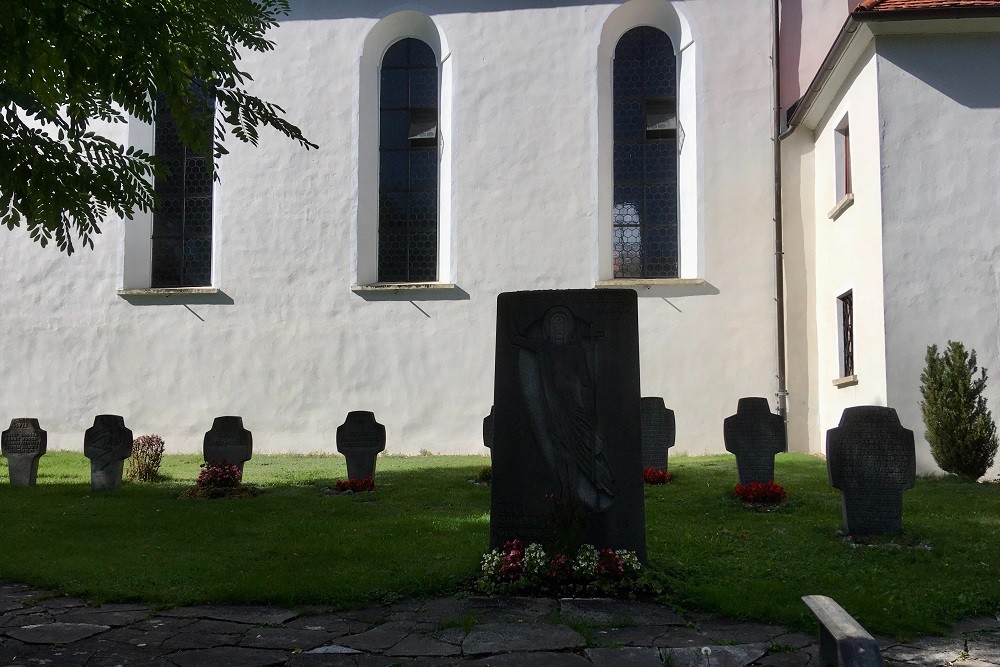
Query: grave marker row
[108, 443]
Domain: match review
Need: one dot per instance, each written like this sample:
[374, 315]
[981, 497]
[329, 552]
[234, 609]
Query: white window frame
[671, 20]
[383, 33]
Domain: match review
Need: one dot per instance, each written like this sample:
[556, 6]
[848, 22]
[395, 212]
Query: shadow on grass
[424, 530]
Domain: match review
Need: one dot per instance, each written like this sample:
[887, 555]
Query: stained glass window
[408, 172]
[645, 156]
[182, 223]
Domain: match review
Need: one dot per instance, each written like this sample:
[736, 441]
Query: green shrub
[485, 475]
[960, 429]
[144, 464]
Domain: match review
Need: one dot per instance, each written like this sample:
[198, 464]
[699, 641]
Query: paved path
[38, 629]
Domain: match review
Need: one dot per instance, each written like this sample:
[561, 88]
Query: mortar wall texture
[291, 348]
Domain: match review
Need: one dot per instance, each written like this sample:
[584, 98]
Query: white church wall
[847, 258]
[940, 105]
[288, 345]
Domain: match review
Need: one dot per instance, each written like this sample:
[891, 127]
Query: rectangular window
[182, 222]
[843, 155]
[846, 317]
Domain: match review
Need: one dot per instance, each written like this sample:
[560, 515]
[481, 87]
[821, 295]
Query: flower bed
[219, 479]
[655, 476]
[519, 569]
[757, 495]
[353, 485]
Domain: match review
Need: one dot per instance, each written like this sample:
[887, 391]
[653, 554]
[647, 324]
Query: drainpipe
[779, 267]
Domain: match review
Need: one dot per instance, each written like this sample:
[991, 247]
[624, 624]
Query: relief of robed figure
[557, 364]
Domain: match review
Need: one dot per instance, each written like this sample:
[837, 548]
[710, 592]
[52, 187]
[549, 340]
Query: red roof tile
[902, 5]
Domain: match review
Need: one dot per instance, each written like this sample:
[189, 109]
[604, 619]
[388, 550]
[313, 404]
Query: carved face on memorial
[559, 325]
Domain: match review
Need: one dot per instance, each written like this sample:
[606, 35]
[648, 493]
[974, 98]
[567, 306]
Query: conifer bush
[144, 464]
[960, 428]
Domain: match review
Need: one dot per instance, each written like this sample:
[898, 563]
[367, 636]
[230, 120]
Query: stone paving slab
[619, 613]
[625, 657]
[417, 645]
[638, 635]
[236, 657]
[739, 655]
[739, 632]
[927, 651]
[380, 638]
[109, 614]
[984, 649]
[795, 659]
[212, 626]
[332, 623]
[442, 632]
[250, 614]
[193, 640]
[511, 637]
[288, 639]
[61, 602]
[534, 659]
[55, 633]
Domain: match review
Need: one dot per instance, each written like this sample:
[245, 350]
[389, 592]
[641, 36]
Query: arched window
[645, 156]
[408, 164]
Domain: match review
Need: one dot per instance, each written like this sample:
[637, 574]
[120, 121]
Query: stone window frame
[381, 34]
[135, 279]
[843, 170]
[846, 354]
[672, 21]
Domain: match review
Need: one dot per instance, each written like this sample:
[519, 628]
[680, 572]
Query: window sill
[167, 291]
[648, 283]
[661, 287]
[841, 206]
[396, 288]
[846, 381]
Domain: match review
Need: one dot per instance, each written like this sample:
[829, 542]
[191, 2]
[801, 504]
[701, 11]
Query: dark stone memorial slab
[754, 434]
[488, 429]
[23, 444]
[360, 439]
[871, 458]
[228, 441]
[659, 430]
[567, 426]
[107, 444]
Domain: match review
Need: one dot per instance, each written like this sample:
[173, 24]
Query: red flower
[513, 560]
[355, 485]
[755, 492]
[655, 476]
[610, 563]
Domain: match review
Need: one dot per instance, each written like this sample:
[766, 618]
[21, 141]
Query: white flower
[535, 559]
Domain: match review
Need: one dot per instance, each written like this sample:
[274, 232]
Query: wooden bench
[842, 640]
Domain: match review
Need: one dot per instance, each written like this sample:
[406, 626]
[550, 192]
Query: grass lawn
[425, 529]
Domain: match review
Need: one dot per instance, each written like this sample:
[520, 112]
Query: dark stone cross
[228, 441]
[754, 434]
[107, 444]
[567, 449]
[871, 458]
[23, 444]
[488, 429]
[360, 439]
[659, 431]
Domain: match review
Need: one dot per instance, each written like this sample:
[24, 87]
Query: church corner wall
[940, 138]
[830, 256]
